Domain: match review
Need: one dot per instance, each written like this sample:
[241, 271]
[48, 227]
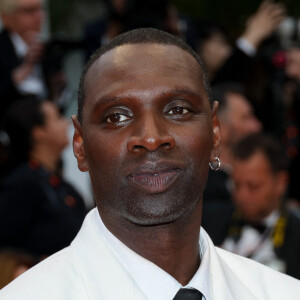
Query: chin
[163, 211]
[253, 217]
[153, 219]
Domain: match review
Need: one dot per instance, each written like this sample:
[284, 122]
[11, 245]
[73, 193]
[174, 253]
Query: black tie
[188, 294]
[261, 228]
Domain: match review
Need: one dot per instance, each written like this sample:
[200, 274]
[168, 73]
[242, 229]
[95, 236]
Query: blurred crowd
[251, 205]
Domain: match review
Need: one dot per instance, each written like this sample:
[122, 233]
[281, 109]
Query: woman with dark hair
[39, 211]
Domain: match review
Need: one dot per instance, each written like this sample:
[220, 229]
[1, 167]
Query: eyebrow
[108, 99]
[172, 92]
[182, 91]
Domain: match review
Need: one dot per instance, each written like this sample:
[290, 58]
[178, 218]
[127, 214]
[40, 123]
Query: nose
[150, 134]
[255, 126]
[241, 194]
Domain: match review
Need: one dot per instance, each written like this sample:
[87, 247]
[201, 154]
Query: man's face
[26, 18]
[55, 130]
[239, 119]
[148, 133]
[258, 190]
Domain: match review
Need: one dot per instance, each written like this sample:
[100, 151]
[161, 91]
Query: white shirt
[89, 270]
[33, 83]
[151, 279]
[246, 46]
[258, 246]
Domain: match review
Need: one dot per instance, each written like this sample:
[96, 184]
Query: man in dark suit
[23, 68]
[259, 226]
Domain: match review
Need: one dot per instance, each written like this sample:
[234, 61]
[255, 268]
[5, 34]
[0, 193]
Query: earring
[215, 166]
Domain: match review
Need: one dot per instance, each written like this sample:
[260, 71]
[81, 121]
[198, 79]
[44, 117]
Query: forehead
[257, 164]
[144, 68]
[128, 55]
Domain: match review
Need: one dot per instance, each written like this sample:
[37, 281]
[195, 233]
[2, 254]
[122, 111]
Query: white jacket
[89, 270]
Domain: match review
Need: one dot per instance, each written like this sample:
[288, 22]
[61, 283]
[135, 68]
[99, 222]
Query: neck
[46, 157]
[260, 218]
[165, 245]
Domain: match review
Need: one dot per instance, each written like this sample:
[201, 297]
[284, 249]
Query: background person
[237, 120]
[260, 226]
[26, 67]
[39, 212]
[226, 62]
[147, 132]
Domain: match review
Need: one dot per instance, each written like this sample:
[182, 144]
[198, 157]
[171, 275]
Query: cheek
[196, 147]
[29, 24]
[262, 196]
[269, 194]
[61, 129]
[24, 23]
[198, 141]
[104, 153]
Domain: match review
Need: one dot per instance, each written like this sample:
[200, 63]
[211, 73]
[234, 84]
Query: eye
[117, 118]
[178, 110]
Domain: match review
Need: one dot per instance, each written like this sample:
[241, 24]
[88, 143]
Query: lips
[155, 177]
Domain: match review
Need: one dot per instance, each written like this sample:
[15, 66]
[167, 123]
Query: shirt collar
[271, 219]
[151, 279]
[20, 46]
[202, 279]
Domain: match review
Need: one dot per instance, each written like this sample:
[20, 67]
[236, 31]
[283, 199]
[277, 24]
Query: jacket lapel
[7, 50]
[103, 275]
[226, 284]
[105, 278]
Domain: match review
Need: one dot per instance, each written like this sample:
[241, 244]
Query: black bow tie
[188, 294]
[261, 228]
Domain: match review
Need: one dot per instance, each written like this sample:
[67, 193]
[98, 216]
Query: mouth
[155, 178]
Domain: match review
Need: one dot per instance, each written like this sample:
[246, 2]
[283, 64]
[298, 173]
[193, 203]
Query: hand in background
[33, 56]
[261, 25]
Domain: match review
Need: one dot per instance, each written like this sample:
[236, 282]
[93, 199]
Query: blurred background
[251, 51]
[231, 13]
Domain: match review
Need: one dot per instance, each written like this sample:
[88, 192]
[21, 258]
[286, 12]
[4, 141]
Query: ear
[216, 132]
[78, 146]
[38, 133]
